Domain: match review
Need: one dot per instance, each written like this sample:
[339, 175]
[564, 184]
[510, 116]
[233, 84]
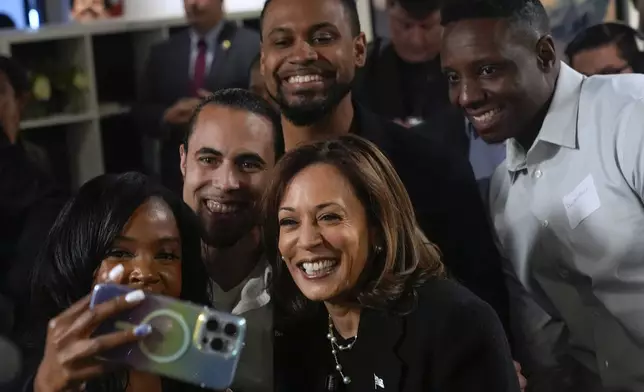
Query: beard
[311, 110]
[226, 233]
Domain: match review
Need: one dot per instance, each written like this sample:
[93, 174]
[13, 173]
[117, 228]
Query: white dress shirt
[569, 215]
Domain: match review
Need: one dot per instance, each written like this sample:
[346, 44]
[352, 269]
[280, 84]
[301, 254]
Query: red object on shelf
[115, 7]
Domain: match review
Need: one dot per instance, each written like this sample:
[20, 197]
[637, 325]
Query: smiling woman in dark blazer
[362, 301]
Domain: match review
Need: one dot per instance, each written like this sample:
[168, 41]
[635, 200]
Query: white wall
[15, 9]
[140, 9]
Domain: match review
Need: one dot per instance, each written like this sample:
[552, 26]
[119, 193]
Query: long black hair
[80, 239]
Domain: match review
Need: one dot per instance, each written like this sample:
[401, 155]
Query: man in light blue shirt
[484, 158]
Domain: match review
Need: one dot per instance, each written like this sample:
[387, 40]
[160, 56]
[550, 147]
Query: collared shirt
[569, 214]
[211, 39]
[251, 300]
[484, 158]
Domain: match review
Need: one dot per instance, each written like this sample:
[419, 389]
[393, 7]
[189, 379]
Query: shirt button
[564, 274]
[606, 363]
[538, 173]
[545, 223]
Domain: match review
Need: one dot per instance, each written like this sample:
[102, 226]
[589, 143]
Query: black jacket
[448, 206]
[380, 87]
[451, 342]
[167, 79]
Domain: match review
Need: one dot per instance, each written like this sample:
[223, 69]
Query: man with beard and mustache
[310, 52]
[233, 142]
[210, 55]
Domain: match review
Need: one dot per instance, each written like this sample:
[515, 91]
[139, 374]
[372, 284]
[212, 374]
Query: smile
[300, 79]
[216, 207]
[318, 269]
[486, 119]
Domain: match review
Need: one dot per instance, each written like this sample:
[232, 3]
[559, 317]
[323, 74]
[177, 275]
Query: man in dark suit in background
[402, 78]
[211, 55]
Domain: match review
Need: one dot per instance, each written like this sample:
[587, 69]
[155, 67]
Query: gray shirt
[569, 215]
[251, 300]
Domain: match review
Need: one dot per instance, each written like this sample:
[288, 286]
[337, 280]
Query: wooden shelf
[80, 44]
[56, 120]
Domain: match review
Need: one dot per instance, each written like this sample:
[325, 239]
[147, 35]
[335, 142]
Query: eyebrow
[208, 150]
[318, 207]
[314, 27]
[162, 240]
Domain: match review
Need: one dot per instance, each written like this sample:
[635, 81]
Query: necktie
[200, 68]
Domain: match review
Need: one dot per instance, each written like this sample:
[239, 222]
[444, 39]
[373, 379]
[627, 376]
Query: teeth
[304, 79]
[220, 208]
[314, 268]
[487, 116]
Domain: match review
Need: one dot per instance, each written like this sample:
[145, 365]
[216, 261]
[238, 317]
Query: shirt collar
[211, 37]
[560, 124]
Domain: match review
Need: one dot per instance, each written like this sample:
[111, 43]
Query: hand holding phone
[70, 349]
[188, 342]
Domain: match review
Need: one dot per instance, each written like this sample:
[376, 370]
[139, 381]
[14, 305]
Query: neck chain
[335, 346]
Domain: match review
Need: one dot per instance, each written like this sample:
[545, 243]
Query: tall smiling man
[310, 53]
[568, 202]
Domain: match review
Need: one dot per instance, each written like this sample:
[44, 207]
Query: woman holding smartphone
[123, 229]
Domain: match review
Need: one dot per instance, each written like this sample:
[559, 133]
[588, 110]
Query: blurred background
[85, 61]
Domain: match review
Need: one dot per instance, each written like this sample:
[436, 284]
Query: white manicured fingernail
[135, 296]
[115, 273]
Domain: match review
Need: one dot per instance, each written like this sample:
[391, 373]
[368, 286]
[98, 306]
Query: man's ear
[360, 50]
[546, 53]
[183, 154]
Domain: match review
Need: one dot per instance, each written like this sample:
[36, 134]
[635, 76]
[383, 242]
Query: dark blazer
[379, 87]
[167, 80]
[449, 209]
[451, 342]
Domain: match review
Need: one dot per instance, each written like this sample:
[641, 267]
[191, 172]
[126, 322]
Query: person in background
[30, 198]
[567, 203]
[124, 229]
[211, 55]
[347, 253]
[6, 22]
[310, 53]
[402, 79]
[227, 158]
[607, 48]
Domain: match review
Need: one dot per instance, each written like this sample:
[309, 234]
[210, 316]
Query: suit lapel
[218, 67]
[386, 364]
[181, 57]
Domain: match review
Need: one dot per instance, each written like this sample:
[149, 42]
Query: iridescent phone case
[190, 343]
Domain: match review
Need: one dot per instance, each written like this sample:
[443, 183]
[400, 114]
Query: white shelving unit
[74, 43]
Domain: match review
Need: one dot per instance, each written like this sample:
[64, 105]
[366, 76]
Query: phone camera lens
[217, 344]
[230, 329]
[212, 325]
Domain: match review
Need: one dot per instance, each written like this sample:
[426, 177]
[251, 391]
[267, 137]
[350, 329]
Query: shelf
[55, 120]
[112, 109]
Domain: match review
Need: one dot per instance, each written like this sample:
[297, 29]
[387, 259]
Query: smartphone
[189, 343]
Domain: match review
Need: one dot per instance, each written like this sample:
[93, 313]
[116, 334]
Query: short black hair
[241, 99]
[603, 34]
[417, 8]
[6, 22]
[16, 74]
[349, 5]
[528, 14]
